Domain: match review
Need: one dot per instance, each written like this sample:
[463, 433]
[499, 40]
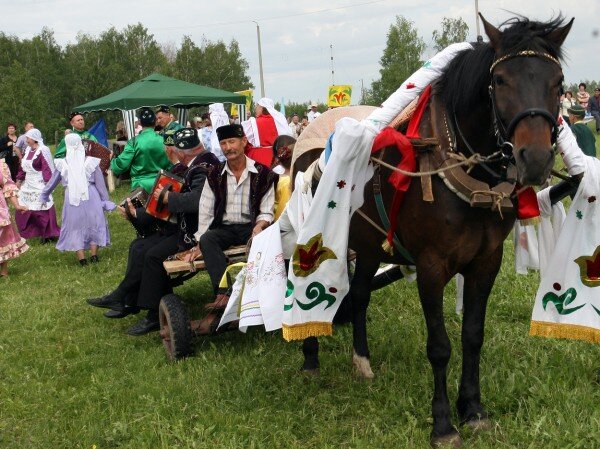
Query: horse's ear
[559, 35]
[492, 32]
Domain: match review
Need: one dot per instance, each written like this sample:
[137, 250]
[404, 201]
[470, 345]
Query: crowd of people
[235, 184]
[230, 192]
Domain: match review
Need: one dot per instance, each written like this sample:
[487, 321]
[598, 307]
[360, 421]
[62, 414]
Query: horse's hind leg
[360, 289]
[310, 349]
[431, 281]
[478, 285]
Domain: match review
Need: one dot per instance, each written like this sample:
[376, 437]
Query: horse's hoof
[362, 366]
[479, 425]
[310, 372]
[452, 440]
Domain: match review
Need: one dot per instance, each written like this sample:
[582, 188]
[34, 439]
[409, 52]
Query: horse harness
[439, 155]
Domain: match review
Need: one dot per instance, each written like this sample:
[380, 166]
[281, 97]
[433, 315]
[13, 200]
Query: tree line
[42, 81]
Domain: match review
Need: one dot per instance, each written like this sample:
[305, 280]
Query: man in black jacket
[146, 280]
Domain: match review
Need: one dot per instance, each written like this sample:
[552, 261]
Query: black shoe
[107, 302]
[94, 259]
[128, 310]
[43, 241]
[83, 262]
[144, 326]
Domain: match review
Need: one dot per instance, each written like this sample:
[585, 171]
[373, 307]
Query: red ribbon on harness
[528, 209]
[389, 137]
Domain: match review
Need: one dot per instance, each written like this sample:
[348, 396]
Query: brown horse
[500, 98]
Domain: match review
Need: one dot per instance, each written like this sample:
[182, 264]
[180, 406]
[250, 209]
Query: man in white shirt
[237, 204]
[313, 113]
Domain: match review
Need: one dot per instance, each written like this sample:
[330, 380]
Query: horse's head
[526, 83]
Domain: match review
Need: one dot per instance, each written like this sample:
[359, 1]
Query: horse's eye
[498, 80]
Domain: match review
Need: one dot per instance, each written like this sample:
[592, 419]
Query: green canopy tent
[157, 89]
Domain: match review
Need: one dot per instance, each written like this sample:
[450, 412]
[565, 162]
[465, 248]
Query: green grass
[72, 379]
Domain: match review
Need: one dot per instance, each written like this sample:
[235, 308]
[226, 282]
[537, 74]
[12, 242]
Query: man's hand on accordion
[158, 191]
[131, 208]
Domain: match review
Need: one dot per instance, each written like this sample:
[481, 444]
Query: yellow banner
[248, 95]
[339, 95]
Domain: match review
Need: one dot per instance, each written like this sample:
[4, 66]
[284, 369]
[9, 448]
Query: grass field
[72, 379]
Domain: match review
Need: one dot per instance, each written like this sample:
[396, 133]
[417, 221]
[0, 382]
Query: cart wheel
[175, 327]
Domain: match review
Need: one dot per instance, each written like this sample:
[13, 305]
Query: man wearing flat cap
[584, 135]
[237, 204]
[144, 155]
[77, 123]
[146, 280]
[168, 126]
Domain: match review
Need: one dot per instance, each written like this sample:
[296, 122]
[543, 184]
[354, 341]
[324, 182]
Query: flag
[339, 95]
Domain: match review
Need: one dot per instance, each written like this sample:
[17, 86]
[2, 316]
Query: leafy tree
[401, 57]
[23, 100]
[212, 64]
[453, 31]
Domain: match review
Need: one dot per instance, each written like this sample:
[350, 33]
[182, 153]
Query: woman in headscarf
[84, 226]
[263, 129]
[217, 117]
[35, 171]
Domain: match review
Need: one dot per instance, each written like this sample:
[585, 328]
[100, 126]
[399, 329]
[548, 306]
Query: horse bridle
[504, 134]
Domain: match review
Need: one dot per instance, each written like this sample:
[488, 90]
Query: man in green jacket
[78, 127]
[167, 124]
[584, 135]
[144, 155]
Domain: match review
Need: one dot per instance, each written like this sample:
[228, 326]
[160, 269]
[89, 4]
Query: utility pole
[332, 72]
[479, 37]
[260, 64]
[362, 91]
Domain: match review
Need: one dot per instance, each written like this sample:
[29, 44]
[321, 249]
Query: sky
[299, 37]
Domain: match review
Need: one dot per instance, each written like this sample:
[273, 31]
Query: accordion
[169, 182]
[95, 149]
[138, 197]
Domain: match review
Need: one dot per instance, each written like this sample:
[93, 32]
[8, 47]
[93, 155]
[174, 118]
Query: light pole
[262, 80]
[479, 37]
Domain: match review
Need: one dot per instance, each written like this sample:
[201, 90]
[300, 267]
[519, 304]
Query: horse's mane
[464, 83]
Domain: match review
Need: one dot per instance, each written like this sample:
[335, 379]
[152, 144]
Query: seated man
[146, 280]
[144, 155]
[237, 205]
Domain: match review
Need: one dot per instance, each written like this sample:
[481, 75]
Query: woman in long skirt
[84, 226]
[12, 245]
[35, 171]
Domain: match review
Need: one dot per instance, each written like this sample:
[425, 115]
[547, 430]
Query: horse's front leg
[360, 291]
[479, 280]
[431, 280]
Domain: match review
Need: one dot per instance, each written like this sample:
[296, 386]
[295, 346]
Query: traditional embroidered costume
[12, 244]
[36, 170]
[263, 130]
[86, 199]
